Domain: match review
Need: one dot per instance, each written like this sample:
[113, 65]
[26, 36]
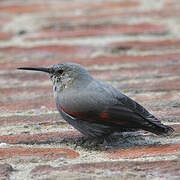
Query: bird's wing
[137, 109]
[125, 105]
[119, 113]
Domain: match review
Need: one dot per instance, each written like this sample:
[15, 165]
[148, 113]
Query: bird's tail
[159, 129]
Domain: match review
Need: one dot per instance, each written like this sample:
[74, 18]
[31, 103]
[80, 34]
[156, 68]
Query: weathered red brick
[154, 85]
[112, 5]
[173, 114]
[160, 13]
[5, 36]
[110, 14]
[170, 3]
[42, 153]
[98, 31]
[145, 45]
[176, 128]
[14, 96]
[43, 7]
[166, 113]
[155, 169]
[139, 152]
[67, 50]
[45, 169]
[44, 120]
[34, 103]
[165, 97]
[169, 13]
[23, 76]
[30, 8]
[4, 20]
[83, 18]
[39, 138]
[136, 72]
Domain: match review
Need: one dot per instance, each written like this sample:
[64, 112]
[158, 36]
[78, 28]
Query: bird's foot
[88, 143]
[79, 142]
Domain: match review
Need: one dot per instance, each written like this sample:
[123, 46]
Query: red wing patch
[69, 112]
[104, 115]
[94, 117]
[82, 115]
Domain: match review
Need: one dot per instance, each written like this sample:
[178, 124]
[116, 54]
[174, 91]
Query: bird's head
[63, 73]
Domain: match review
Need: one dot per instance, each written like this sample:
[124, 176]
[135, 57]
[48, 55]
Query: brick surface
[111, 14]
[99, 31]
[146, 45]
[5, 36]
[172, 4]
[43, 153]
[39, 7]
[116, 170]
[41, 138]
[43, 119]
[35, 103]
[133, 45]
[63, 50]
[169, 114]
[145, 152]
[4, 21]
[159, 85]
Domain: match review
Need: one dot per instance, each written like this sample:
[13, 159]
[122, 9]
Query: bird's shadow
[115, 141]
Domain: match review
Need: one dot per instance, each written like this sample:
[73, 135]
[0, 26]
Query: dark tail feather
[160, 129]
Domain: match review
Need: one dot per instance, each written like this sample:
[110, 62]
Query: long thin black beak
[43, 69]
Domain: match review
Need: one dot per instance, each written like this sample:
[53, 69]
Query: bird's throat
[59, 84]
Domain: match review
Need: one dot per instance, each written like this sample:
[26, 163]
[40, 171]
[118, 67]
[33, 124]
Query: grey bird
[95, 108]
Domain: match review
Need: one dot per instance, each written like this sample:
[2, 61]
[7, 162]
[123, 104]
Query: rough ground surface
[132, 44]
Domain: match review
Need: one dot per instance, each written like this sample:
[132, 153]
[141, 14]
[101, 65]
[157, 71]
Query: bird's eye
[60, 71]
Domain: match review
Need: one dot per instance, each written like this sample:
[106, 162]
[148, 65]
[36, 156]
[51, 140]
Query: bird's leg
[100, 142]
[109, 141]
[80, 142]
[89, 142]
